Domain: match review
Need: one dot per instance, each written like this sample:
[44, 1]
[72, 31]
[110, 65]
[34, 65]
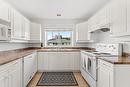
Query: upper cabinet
[82, 34]
[115, 15]
[25, 28]
[35, 32]
[4, 11]
[20, 26]
[103, 17]
[17, 25]
[118, 14]
[100, 20]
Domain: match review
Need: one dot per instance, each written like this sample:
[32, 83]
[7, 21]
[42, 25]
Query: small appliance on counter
[89, 60]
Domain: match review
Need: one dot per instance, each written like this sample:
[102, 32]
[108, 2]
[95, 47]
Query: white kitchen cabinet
[82, 34]
[103, 17]
[43, 61]
[100, 20]
[113, 75]
[93, 23]
[17, 24]
[15, 75]
[118, 17]
[20, 25]
[54, 61]
[35, 32]
[25, 28]
[4, 11]
[58, 61]
[4, 79]
[30, 67]
[11, 74]
[105, 74]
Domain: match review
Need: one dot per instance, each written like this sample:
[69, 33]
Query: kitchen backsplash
[104, 37]
[12, 46]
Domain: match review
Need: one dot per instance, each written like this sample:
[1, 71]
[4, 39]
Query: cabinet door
[27, 29]
[82, 32]
[43, 61]
[17, 25]
[15, 75]
[35, 31]
[105, 74]
[54, 61]
[76, 56]
[103, 78]
[35, 63]
[118, 17]
[4, 11]
[4, 79]
[14, 78]
[66, 61]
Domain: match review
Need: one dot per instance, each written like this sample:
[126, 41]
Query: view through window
[59, 38]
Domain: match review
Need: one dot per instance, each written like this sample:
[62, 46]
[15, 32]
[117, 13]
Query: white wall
[58, 22]
[11, 46]
[104, 37]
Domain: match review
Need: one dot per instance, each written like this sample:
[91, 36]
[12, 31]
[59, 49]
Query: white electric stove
[89, 60]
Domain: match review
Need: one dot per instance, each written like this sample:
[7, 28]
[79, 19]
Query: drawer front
[105, 65]
[10, 64]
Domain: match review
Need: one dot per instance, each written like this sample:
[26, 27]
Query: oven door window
[89, 66]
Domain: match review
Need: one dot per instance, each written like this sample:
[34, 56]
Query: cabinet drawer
[8, 65]
[105, 65]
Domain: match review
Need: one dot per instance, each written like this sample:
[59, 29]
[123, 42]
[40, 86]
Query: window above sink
[58, 38]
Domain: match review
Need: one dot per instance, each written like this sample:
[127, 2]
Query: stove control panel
[114, 49]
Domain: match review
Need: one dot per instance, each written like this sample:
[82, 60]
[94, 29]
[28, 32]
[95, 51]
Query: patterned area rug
[57, 79]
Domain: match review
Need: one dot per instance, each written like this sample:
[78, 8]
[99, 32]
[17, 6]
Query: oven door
[91, 67]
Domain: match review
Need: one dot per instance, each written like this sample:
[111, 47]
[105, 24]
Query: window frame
[45, 35]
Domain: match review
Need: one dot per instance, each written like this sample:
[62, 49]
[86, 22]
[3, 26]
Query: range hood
[103, 28]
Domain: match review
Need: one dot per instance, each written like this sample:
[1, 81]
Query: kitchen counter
[8, 56]
[59, 50]
[117, 60]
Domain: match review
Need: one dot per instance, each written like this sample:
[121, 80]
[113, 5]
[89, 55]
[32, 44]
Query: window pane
[59, 38]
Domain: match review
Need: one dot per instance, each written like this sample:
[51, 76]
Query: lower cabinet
[105, 74]
[58, 61]
[4, 80]
[113, 75]
[10, 74]
[30, 67]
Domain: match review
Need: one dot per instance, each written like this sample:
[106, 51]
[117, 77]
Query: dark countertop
[116, 60]
[8, 56]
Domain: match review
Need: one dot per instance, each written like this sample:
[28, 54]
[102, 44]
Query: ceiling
[48, 9]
